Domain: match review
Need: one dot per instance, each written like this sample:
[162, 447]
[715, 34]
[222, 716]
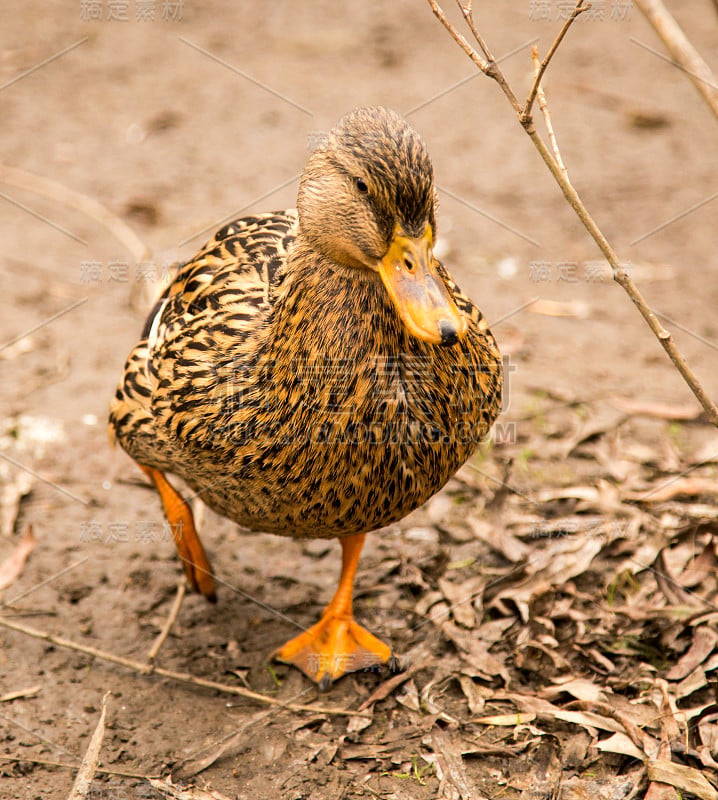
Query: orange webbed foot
[337, 644]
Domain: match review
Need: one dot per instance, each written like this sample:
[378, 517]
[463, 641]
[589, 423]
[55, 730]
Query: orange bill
[418, 292]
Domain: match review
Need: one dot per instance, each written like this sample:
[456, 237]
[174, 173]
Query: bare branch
[458, 38]
[580, 8]
[488, 67]
[12, 176]
[543, 106]
[684, 55]
[167, 627]
[620, 275]
[181, 677]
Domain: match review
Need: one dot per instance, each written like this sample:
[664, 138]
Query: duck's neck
[340, 310]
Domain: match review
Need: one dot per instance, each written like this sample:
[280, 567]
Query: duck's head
[367, 201]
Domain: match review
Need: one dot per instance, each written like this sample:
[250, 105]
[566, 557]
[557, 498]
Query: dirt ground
[555, 603]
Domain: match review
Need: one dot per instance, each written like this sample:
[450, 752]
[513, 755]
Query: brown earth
[175, 140]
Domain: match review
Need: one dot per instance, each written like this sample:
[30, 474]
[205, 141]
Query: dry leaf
[557, 562]
[12, 567]
[543, 709]
[419, 659]
[90, 760]
[198, 762]
[670, 729]
[622, 744]
[688, 487]
[580, 688]
[476, 652]
[707, 453]
[559, 308]
[708, 732]
[612, 788]
[687, 779]
[597, 423]
[499, 539]
[461, 597]
[11, 493]
[475, 694]
[662, 791]
[703, 644]
[170, 790]
[691, 683]
[31, 692]
[450, 766]
[506, 720]
[658, 410]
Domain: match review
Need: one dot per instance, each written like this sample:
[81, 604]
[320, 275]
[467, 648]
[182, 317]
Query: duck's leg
[337, 644]
[179, 515]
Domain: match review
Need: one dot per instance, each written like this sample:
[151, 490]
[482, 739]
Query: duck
[315, 372]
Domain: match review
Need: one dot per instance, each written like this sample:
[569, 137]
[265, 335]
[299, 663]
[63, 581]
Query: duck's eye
[362, 188]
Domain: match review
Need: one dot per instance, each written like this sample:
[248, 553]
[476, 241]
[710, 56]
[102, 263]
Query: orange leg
[179, 515]
[337, 644]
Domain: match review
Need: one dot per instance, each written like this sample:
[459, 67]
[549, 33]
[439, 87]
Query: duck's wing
[219, 298]
[234, 275]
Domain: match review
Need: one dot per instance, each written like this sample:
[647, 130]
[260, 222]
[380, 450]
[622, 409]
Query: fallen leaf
[560, 308]
[703, 644]
[91, 759]
[11, 493]
[691, 683]
[543, 709]
[16, 695]
[557, 562]
[476, 652]
[499, 539]
[450, 766]
[171, 790]
[597, 423]
[686, 779]
[475, 694]
[198, 762]
[461, 597]
[506, 720]
[420, 659]
[658, 410]
[12, 567]
[620, 743]
[707, 453]
[613, 788]
[580, 688]
[688, 487]
[662, 791]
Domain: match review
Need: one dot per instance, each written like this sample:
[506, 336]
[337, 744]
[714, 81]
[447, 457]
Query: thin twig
[543, 106]
[684, 55]
[458, 38]
[12, 176]
[492, 68]
[620, 275]
[171, 619]
[580, 8]
[180, 677]
[46, 762]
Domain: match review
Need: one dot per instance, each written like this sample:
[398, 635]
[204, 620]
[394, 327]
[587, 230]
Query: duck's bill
[418, 292]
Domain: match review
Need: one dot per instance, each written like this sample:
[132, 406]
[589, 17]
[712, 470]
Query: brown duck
[315, 373]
